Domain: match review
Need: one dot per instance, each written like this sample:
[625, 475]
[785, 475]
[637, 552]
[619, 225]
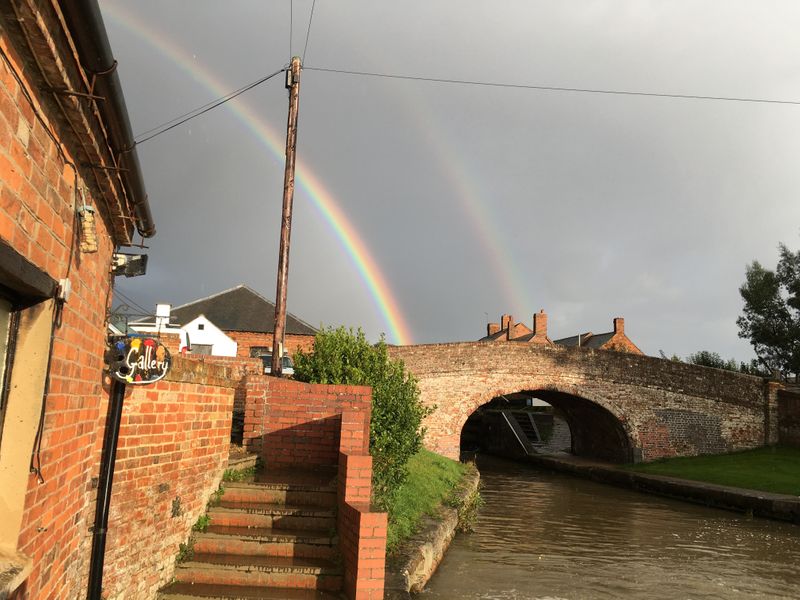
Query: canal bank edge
[780, 507]
[410, 568]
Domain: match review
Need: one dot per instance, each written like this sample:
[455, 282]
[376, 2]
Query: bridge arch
[598, 427]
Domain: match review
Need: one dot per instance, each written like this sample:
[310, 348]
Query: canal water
[543, 535]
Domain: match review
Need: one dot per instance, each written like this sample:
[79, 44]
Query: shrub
[343, 356]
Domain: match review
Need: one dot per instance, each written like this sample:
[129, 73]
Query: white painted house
[207, 338]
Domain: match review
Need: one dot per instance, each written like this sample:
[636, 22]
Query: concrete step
[267, 571]
[261, 541]
[194, 591]
[279, 493]
[274, 516]
[320, 478]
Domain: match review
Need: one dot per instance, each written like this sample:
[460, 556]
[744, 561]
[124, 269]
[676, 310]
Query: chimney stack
[492, 328]
[540, 324]
[509, 327]
[504, 320]
[162, 315]
[619, 325]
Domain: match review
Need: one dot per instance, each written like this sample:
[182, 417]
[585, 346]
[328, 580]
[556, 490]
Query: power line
[308, 31]
[550, 88]
[194, 110]
[173, 123]
[118, 292]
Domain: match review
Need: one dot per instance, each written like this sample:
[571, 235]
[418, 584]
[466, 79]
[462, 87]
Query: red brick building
[71, 195]
[509, 331]
[247, 318]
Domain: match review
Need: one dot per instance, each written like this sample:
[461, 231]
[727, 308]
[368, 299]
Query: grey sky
[470, 199]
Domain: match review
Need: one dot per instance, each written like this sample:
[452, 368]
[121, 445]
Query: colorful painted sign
[138, 361]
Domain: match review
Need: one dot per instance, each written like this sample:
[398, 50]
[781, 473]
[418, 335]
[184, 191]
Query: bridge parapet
[665, 408]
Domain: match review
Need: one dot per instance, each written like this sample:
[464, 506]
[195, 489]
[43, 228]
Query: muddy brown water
[544, 535]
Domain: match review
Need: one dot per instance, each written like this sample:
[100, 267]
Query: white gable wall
[203, 331]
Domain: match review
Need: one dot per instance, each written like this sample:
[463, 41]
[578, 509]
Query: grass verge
[773, 469]
[430, 482]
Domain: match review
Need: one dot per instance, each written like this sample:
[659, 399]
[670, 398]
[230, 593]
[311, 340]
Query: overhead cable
[173, 123]
[308, 31]
[550, 88]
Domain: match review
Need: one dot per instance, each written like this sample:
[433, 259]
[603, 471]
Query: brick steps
[260, 541]
[277, 493]
[272, 515]
[192, 591]
[267, 571]
[274, 537]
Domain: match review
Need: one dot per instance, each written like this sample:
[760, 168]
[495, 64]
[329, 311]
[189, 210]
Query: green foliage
[202, 523]
[239, 474]
[706, 358]
[773, 469]
[468, 511]
[771, 318]
[185, 552]
[343, 356]
[430, 483]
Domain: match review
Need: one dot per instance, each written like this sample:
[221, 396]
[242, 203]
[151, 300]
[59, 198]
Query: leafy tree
[342, 356]
[771, 319]
[704, 358]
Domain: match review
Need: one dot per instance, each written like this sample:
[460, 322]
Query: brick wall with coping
[246, 339]
[173, 449]
[789, 417]
[290, 423]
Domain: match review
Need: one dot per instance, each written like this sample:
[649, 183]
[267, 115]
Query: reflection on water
[551, 536]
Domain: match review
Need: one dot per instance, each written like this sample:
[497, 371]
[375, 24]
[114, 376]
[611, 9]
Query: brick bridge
[620, 407]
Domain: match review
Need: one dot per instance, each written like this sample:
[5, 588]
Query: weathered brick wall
[361, 531]
[298, 424]
[662, 408]
[173, 449]
[789, 417]
[246, 339]
[37, 217]
[289, 422]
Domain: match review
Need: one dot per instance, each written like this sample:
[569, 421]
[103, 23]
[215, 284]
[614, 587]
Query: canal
[552, 536]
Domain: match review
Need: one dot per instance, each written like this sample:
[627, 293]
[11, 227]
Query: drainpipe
[88, 32]
[106, 480]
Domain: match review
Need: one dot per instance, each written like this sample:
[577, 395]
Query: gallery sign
[138, 361]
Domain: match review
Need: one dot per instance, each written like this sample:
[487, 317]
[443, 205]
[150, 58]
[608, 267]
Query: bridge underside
[505, 426]
[596, 433]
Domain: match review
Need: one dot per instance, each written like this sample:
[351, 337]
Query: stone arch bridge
[621, 407]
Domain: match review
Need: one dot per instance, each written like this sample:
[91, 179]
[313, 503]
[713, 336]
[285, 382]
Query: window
[256, 351]
[201, 326]
[204, 349]
[6, 357]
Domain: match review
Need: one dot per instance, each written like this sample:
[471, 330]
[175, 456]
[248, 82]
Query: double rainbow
[321, 198]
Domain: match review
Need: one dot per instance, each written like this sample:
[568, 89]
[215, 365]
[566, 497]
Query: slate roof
[588, 340]
[239, 309]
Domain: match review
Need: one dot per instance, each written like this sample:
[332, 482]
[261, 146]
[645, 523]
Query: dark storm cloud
[642, 207]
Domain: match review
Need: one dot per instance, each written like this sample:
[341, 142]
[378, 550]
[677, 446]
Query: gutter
[88, 32]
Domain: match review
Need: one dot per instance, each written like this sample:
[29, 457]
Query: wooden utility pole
[293, 84]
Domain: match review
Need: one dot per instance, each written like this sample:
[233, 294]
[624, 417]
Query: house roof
[587, 340]
[239, 309]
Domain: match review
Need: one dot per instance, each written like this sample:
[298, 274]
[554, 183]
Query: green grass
[430, 481]
[773, 469]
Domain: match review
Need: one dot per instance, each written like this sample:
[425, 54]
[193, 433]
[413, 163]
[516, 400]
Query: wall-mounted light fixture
[130, 265]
